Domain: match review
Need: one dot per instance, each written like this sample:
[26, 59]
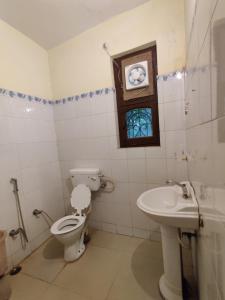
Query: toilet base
[74, 251]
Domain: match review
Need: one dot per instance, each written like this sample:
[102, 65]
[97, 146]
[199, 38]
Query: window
[137, 101]
[139, 123]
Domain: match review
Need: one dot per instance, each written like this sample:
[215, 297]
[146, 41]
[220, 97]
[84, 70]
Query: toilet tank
[87, 176]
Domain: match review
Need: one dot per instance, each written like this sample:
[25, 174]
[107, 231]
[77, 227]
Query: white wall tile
[5, 106]
[206, 139]
[125, 230]
[174, 115]
[87, 136]
[35, 154]
[65, 111]
[126, 166]
[83, 107]
[160, 87]
[175, 144]
[173, 89]
[161, 117]
[6, 134]
[141, 233]
[115, 151]
[28, 152]
[138, 152]
[99, 125]
[120, 170]
[109, 227]
[156, 171]
[176, 170]
[99, 104]
[157, 151]
[137, 170]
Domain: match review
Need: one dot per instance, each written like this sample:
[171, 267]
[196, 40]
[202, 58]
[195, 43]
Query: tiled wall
[205, 128]
[87, 136]
[28, 152]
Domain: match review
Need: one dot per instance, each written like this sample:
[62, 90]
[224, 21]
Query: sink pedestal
[170, 283]
[167, 206]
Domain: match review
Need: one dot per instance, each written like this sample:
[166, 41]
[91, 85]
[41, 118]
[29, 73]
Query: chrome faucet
[182, 185]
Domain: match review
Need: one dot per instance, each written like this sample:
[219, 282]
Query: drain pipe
[191, 245]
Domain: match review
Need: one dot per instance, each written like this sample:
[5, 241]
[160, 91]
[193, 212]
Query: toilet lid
[80, 197]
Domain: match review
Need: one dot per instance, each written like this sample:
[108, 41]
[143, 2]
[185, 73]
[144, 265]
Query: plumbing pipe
[22, 230]
[37, 212]
[104, 181]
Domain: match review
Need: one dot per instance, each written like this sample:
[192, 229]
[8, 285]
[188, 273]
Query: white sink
[167, 206]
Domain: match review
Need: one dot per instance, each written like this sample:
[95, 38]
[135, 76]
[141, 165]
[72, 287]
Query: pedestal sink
[167, 206]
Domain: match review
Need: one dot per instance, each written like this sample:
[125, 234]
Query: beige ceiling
[51, 22]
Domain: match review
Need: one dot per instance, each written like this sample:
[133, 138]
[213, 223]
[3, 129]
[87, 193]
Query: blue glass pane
[139, 123]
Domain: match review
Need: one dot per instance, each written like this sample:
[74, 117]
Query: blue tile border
[176, 74]
[91, 94]
[75, 98]
[13, 94]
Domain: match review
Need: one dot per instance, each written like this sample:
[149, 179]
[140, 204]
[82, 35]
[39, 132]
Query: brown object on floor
[5, 290]
[3, 256]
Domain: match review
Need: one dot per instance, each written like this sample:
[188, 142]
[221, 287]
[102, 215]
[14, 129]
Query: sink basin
[167, 206]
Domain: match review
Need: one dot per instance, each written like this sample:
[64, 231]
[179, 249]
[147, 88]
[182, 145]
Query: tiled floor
[114, 267]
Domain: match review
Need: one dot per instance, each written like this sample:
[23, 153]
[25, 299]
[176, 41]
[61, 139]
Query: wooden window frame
[150, 101]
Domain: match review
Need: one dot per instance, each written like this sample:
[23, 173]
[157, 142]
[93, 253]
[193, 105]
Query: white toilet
[70, 230]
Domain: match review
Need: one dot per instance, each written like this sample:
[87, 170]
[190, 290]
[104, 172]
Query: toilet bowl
[70, 230]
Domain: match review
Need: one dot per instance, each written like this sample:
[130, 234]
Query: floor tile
[138, 278]
[46, 262]
[125, 243]
[57, 293]
[26, 288]
[114, 267]
[113, 241]
[92, 275]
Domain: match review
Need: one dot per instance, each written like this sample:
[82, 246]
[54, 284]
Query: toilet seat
[67, 224]
[80, 198]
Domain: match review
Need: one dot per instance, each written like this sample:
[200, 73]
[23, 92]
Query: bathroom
[112, 149]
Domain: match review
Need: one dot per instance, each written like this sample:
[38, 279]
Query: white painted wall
[24, 64]
[81, 65]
